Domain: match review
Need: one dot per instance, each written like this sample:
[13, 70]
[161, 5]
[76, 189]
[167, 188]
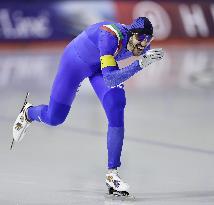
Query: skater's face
[138, 43]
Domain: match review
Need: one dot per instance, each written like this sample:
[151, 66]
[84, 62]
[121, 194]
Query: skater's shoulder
[98, 25]
[109, 24]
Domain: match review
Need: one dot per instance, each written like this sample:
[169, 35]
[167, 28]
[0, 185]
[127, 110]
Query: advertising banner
[62, 20]
[51, 21]
[171, 19]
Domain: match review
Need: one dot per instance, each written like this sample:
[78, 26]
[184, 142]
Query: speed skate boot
[21, 124]
[116, 186]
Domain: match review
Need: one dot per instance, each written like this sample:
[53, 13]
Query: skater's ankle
[112, 170]
[27, 115]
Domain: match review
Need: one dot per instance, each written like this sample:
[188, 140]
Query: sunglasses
[145, 39]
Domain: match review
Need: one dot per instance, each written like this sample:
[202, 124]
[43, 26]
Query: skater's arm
[113, 76]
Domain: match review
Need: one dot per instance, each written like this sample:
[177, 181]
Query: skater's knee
[114, 99]
[56, 113]
[114, 103]
[55, 120]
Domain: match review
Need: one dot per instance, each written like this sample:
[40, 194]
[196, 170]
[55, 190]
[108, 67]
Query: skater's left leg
[113, 101]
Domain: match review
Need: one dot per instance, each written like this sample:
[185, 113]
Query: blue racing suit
[93, 54]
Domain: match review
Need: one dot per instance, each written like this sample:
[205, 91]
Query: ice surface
[168, 155]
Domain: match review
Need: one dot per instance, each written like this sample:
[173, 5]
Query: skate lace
[115, 172]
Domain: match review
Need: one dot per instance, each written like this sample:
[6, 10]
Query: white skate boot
[21, 123]
[116, 186]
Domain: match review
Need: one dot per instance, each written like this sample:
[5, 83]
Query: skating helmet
[143, 27]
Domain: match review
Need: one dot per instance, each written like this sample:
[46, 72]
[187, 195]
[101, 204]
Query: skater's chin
[137, 52]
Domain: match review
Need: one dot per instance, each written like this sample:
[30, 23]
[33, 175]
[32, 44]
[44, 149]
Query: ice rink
[168, 153]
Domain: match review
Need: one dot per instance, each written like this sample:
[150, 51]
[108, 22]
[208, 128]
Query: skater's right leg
[70, 74]
[53, 114]
[66, 83]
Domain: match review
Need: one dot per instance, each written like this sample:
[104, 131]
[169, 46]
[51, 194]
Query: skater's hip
[82, 55]
[87, 51]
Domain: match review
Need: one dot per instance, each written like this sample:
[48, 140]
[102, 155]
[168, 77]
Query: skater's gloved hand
[151, 56]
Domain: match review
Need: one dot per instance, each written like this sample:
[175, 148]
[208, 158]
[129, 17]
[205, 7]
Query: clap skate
[21, 123]
[116, 186]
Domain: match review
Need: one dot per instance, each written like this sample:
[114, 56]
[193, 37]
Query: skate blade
[25, 102]
[12, 144]
[119, 197]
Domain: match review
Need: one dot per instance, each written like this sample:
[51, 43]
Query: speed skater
[94, 54]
